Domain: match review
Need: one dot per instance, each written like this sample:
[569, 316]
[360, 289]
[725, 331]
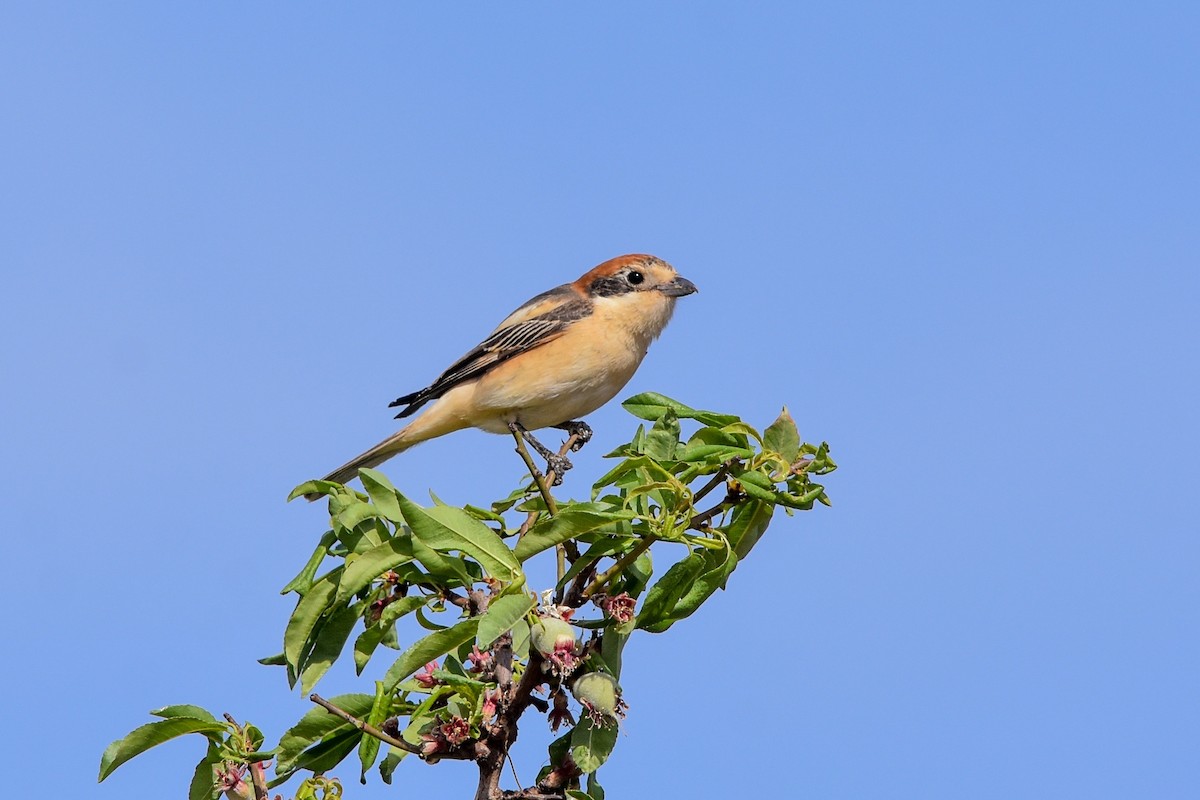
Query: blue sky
[957, 240]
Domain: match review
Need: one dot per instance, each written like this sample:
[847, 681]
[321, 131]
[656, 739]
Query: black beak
[678, 287]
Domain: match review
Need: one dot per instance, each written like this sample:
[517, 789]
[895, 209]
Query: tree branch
[623, 562]
[504, 731]
[258, 780]
[365, 727]
[537, 475]
[717, 478]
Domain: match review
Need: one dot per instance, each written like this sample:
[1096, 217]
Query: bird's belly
[561, 384]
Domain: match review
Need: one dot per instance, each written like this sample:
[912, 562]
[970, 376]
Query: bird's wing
[541, 320]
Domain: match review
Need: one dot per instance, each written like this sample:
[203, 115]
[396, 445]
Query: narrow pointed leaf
[432, 647]
[502, 613]
[306, 616]
[749, 522]
[573, 521]
[370, 565]
[382, 493]
[142, 739]
[316, 725]
[328, 646]
[663, 595]
[445, 528]
[652, 405]
[301, 583]
[203, 785]
[370, 639]
[195, 712]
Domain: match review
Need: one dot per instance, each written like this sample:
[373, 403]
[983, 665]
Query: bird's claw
[580, 430]
[558, 465]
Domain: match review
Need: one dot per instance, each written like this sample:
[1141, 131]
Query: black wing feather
[503, 344]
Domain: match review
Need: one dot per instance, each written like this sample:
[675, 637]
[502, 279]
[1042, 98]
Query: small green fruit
[550, 635]
[600, 694]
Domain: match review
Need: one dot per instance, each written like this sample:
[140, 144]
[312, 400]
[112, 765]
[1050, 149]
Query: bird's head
[636, 290]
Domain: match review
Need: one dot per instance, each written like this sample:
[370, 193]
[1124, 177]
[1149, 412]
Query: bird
[557, 358]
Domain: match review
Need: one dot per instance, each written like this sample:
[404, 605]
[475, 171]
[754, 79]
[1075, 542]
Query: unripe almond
[549, 635]
[599, 693]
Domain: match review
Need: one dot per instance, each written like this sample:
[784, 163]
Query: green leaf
[368, 748]
[308, 613]
[591, 744]
[593, 554]
[502, 613]
[446, 528]
[663, 438]
[573, 521]
[594, 788]
[317, 725]
[444, 569]
[782, 437]
[369, 639]
[382, 493]
[559, 748]
[323, 756]
[652, 406]
[623, 468]
[718, 564]
[203, 785]
[142, 739]
[483, 514]
[429, 648]
[373, 563]
[356, 513]
[633, 579]
[330, 640]
[712, 453]
[277, 660]
[392, 760]
[663, 595]
[612, 645]
[301, 583]
[314, 487]
[195, 712]
[756, 484]
[425, 622]
[717, 436]
[748, 523]
[520, 645]
[803, 501]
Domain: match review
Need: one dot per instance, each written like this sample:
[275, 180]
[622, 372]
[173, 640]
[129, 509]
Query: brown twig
[623, 562]
[716, 481]
[550, 476]
[258, 780]
[574, 595]
[363, 726]
[537, 475]
[701, 520]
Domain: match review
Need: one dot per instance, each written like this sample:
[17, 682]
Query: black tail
[414, 401]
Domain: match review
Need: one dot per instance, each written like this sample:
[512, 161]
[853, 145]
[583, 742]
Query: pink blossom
[425, 676]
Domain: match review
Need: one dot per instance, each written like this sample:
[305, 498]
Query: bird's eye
[636, 277]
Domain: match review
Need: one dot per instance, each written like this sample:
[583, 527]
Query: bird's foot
[556, 464]
[580, 430]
